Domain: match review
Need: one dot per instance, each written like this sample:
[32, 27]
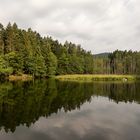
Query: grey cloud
[95, 24]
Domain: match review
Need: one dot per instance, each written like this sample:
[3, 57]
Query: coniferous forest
[27, 52]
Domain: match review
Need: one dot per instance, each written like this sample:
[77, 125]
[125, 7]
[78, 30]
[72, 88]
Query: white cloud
[97, 25]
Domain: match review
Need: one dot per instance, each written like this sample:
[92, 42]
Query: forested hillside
[27, 52]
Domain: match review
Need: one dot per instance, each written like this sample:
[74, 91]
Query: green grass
[90, 77]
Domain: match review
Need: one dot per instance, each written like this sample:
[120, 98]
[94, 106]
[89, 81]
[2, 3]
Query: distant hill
[102, 55]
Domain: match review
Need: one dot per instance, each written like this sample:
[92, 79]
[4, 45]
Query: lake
[53, 110]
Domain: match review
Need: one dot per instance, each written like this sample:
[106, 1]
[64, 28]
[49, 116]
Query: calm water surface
[51, 110]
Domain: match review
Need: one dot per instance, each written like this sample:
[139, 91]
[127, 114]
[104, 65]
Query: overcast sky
[98, 25]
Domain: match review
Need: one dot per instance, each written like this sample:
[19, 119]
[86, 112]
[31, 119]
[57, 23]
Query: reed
[90, 77]
[23, 77]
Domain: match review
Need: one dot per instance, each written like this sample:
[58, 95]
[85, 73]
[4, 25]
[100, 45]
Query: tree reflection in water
[23, 103]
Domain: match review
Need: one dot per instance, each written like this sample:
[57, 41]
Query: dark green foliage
[137, 63]
[15, 61]
[1, 39]
[63, 62]
[5, 69]
[125, 62]
[118, 62]
[26, 52]
[29, 65]
[39, 68]
[51, 64]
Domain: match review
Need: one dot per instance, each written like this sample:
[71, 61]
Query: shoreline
[80, 77]
[23, 77]
[98, 77]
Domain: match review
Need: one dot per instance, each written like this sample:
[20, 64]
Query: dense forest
[27, 52]
[118, 62]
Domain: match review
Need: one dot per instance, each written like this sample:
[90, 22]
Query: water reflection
[73, 110]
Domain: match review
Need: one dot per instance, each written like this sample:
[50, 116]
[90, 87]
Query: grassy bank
[23, 77]
[81, 77]
[91, 77]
